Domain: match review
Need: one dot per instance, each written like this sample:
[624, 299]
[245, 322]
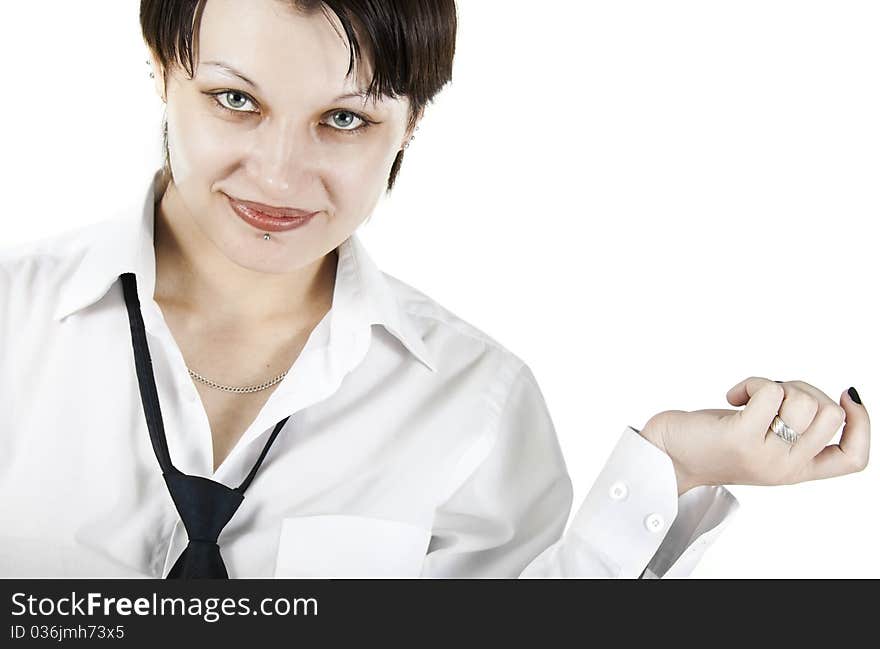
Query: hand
[715, 447]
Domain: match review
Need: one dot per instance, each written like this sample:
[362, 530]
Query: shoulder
[452, 340]
[49, 249]
[33, 273]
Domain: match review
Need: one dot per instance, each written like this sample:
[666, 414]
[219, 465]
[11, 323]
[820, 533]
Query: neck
[194, 277]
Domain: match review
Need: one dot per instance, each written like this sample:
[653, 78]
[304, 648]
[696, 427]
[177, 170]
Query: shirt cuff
[703, 513]
[635, 523]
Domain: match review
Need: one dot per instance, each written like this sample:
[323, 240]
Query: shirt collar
[362, 295]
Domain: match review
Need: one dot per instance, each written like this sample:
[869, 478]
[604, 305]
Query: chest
[229, 413]
[231, 359]
[386, 442]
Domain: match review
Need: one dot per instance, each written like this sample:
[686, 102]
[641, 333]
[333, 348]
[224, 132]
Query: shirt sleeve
[508, 518]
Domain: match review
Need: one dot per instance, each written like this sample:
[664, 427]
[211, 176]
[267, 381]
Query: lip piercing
[266, 236]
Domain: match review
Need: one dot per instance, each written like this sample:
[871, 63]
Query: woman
[206, 394]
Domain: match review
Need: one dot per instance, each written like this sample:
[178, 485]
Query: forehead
[274, 43]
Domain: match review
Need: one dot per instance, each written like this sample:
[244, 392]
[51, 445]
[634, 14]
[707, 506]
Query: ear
[158, 77]
[411, 129]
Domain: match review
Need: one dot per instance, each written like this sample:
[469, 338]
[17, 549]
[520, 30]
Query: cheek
[358, 179]
[195, 140]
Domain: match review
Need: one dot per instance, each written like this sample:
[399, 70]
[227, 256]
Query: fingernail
[854, 395]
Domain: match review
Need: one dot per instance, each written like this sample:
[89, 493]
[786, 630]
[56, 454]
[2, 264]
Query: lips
[273, 212]
[263, 222]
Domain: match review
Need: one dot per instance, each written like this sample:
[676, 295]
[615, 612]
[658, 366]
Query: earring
[406, 145]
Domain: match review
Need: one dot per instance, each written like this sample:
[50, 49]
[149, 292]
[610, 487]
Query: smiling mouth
[270, 211]
[269, 223]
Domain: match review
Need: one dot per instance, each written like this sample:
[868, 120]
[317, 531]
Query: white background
[646, 201]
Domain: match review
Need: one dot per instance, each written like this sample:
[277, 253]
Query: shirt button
[654, 522]
[618, 491]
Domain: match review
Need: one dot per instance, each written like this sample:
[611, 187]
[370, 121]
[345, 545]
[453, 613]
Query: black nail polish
[854, 395]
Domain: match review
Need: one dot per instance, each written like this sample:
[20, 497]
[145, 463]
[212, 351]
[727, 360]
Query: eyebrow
[361, 94]
[228, 68]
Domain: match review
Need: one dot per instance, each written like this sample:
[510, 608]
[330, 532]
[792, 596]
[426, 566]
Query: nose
[281, 160]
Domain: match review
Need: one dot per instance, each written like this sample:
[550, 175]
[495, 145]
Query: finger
[821, 430]
[830, 412]
[851, 453]
[740, 393]
[820, 396]
[764, 400]
[798, 409]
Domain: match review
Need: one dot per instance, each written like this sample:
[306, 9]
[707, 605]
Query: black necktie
[205, 506]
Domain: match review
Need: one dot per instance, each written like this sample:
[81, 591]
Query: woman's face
[290, 140]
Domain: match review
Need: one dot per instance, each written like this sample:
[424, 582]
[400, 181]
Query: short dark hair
[412, 43]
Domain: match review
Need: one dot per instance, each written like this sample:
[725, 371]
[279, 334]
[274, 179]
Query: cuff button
[654, 522]
[618, 491]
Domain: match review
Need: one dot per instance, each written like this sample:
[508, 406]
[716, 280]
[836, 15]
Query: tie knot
[205, 506]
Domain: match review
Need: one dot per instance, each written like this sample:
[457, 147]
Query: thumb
[762, 399]
[740, 393]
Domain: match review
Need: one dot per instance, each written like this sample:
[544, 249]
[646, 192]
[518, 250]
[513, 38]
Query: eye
[342, 120]
[235, 100]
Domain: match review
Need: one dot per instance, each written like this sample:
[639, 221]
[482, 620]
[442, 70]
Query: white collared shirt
[419, 447]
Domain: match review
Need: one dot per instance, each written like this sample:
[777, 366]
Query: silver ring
[784, 431]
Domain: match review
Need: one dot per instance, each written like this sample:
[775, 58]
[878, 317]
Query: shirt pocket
[345, 546]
